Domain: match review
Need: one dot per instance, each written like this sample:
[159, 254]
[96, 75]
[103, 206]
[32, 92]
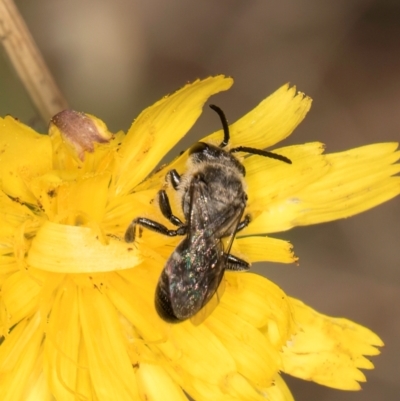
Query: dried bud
[80, 130]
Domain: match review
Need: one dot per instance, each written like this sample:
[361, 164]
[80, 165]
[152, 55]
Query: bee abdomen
[163, 305]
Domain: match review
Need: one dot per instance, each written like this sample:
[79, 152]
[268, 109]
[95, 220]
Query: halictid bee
[213, 203]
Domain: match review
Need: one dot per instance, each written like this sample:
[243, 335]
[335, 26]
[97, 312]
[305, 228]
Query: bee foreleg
[166, 210]
[174, 178]
[236, 264]
[152, 225]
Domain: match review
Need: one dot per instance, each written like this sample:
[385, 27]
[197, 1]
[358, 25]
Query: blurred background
[112, 58]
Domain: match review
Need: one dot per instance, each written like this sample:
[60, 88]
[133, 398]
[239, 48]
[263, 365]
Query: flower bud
[79, 130]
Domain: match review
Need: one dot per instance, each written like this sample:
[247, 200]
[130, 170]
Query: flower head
[77, 302]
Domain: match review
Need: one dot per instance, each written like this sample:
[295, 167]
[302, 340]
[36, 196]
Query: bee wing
[200, 220]
[195, 267]
[204, 241]
[209, 307]
[207, 222]
[209, 304]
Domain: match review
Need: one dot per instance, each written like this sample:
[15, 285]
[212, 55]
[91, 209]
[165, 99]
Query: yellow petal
[63, 336]
[271, 185]
[271, 121]
[76, 198]
[351, 182]
[156, 179]
[19, 353]
[160, 127]
[203, 391]
[70, 200]
[19, 298]
[238, 386]
[12, 215]
[122, 210]
[328, 350]
[84, 385]
[45, 188]
[261, 303]
[19, 160]
[38, 389]
[235, 387]
[279, 391]
[269, 181]
[256, 358]
[132, 293]
[260, 249]
[197, 350]
[69, 249]
[8, 265]
[155, 384]
[232, 387]
[358, 180]
[110, 369]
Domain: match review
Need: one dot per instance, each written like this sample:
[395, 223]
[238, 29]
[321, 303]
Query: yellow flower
[77, 302]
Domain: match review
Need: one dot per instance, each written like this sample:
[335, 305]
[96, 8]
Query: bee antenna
[261, 152]
[225, 125]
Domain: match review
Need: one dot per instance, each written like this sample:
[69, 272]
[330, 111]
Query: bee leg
[174, 178]
[152, 225]
[244, 223]
[166, 210]
[236, 264]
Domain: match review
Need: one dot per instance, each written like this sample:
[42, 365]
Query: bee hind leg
[234, 263]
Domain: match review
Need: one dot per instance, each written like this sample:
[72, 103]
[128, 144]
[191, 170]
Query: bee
[213, 201]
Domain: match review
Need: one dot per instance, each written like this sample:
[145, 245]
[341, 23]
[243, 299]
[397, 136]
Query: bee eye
[199, 147]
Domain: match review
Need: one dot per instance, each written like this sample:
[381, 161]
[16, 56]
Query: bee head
[203, 152]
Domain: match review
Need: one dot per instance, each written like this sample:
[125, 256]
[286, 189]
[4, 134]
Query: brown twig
[28, 62]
